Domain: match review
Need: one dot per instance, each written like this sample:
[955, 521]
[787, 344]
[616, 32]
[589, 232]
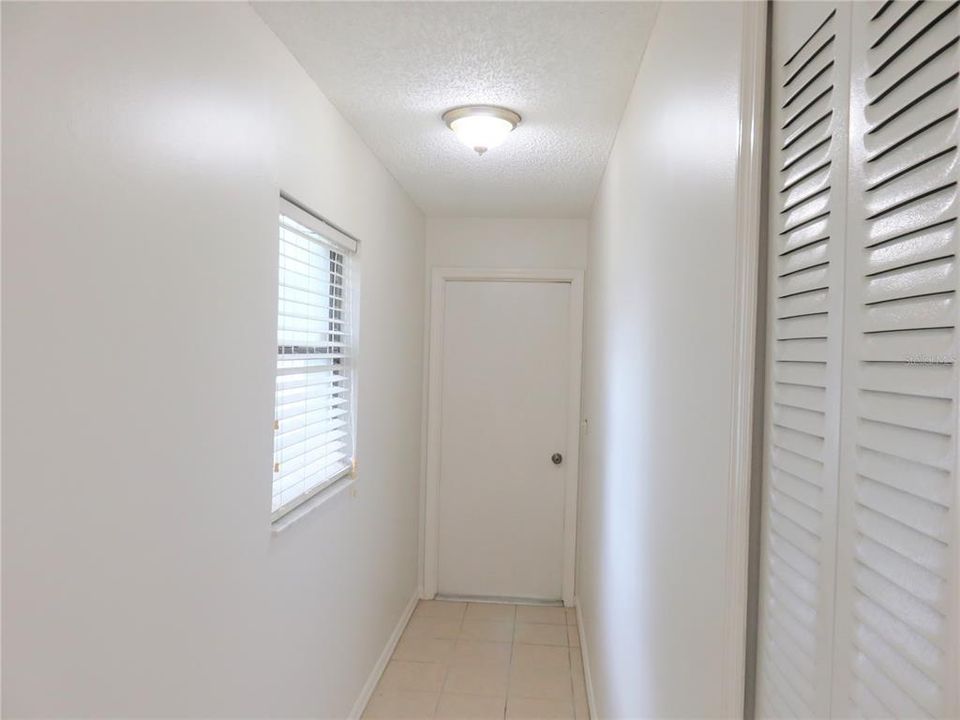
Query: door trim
[431, 486]
[739, 625]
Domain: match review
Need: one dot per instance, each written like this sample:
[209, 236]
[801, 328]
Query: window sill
[308, 506]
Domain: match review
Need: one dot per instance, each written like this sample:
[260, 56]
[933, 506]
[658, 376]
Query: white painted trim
[313, 501]
[430, 525]
[574, 412]
[371, 684]
[749, 186]
[430, 521]
[424, 429]
[585, 658]
[498, 600]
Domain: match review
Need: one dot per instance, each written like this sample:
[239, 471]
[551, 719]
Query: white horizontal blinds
[313, 437]
[805, 273]
[896, 622]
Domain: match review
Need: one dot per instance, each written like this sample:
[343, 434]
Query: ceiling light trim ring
[496, 111]
[481, 127]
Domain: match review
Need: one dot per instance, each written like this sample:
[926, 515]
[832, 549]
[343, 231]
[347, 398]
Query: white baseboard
[371, 684]
[591, 702]
[497, 599]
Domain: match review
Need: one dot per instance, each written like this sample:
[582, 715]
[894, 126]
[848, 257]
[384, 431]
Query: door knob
[557, 458]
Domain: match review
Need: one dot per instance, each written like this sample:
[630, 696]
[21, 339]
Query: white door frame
[750, 216]
[431, 495]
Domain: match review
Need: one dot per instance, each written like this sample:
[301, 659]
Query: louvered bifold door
[808, 128]
[896, 610]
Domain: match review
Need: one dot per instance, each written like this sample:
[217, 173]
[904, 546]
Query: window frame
[348, 247]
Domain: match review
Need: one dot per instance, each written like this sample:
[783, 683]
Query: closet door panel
[896, 605]
[804, 307]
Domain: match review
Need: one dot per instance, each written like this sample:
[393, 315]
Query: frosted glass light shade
[481, 127]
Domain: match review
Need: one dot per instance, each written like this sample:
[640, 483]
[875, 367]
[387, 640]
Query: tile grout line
[506, 695]
[513, 645]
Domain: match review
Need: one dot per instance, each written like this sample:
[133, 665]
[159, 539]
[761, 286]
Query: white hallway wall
[143, 149]
[657, 382]
[507, 242]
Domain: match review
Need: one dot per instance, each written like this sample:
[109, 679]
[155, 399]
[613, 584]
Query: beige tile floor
[479, 661]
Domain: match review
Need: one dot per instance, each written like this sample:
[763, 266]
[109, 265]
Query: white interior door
[504, 404]
[897, 636]
[806, 252]
[859, 602]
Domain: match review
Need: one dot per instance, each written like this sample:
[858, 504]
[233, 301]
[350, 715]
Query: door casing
[430, 510]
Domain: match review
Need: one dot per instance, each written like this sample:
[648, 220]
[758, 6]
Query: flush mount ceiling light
[481, 127]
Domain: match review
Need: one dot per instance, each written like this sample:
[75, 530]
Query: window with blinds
[313, 443]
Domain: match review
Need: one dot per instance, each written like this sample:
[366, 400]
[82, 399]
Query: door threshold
[500, 600]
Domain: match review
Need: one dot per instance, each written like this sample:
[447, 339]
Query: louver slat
[896, 616]
[806, 235]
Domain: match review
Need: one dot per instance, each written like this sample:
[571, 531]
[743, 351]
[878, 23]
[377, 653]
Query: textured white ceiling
[392, 68]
